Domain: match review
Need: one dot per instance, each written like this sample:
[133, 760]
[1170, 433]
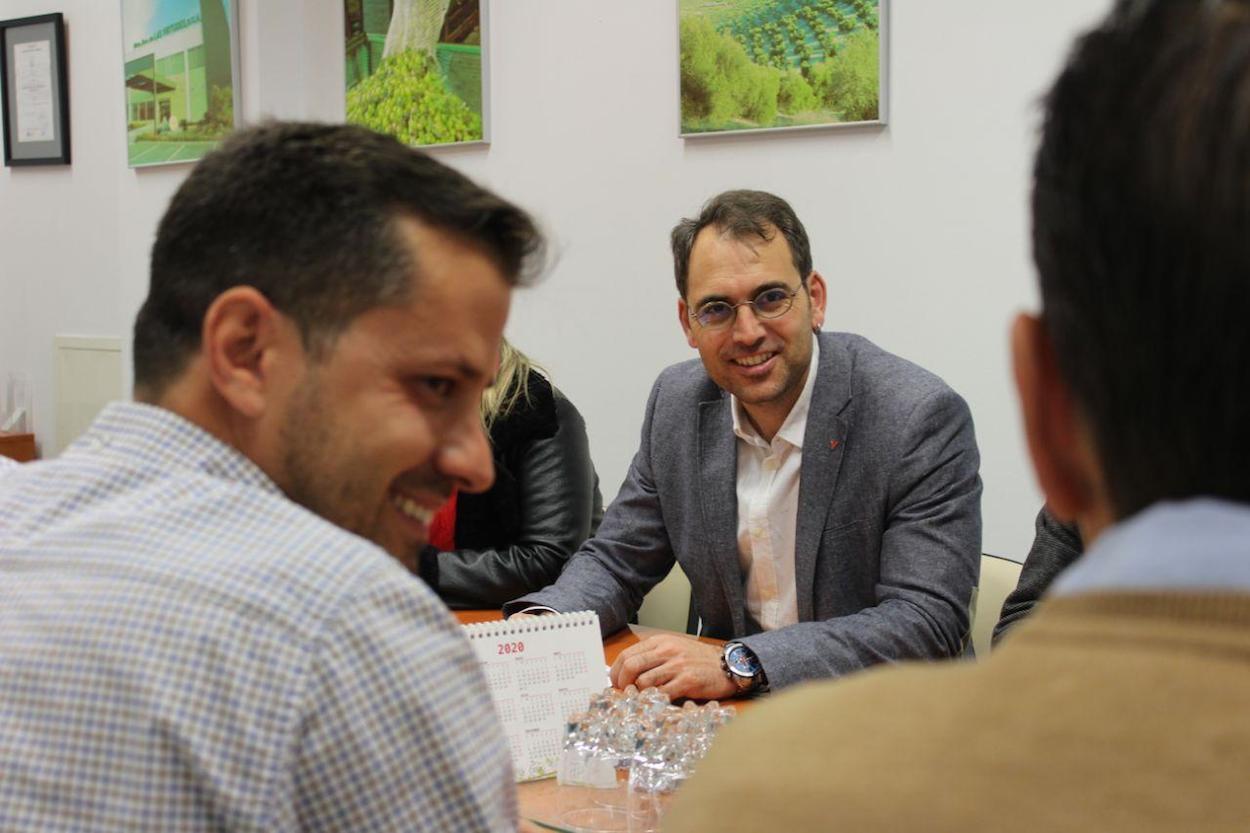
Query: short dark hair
[1141, 217]
[305, 213]
[741, 214]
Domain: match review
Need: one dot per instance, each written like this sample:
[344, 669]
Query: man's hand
[681, 666]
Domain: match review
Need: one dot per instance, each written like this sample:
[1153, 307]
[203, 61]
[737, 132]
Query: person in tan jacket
[1120, 704]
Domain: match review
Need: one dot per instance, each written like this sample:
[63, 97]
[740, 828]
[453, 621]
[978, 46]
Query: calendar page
[540, 670]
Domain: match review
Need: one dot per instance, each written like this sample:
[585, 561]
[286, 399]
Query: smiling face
[762, 362]
[374, 435]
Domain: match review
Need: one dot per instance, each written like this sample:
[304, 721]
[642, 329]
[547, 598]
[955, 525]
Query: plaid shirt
[182, 648]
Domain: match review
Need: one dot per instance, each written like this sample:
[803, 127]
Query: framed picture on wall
[181, 78]
[417, 69]
[762, 65]
[34, 91]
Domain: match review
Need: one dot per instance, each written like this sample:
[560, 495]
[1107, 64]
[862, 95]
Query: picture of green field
[414, 69]
[763, 64]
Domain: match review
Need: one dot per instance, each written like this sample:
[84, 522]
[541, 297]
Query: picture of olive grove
[751, 64]
[414, 69]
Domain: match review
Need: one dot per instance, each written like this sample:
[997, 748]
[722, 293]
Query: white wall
[920, 228]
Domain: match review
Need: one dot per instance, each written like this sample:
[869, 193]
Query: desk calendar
[540, 670]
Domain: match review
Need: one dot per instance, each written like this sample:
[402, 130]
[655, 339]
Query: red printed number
[511, 647]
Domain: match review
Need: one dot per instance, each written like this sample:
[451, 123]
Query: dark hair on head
[739, 215]
[305, 214]
[1141, 217]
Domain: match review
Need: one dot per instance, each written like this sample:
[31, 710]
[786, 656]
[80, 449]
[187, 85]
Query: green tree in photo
[756, 92]
[719, 82]
[849, 85]
[795, 94]
[221, 108]
[702, 84]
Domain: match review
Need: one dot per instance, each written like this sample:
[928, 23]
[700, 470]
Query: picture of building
[179, 78]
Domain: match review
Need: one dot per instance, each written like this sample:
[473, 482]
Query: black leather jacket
[517, 536]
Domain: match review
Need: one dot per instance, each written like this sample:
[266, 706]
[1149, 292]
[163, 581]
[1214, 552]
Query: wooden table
[20, 447]
[544, 799]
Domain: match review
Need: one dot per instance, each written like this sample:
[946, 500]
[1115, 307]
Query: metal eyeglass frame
[694, 316]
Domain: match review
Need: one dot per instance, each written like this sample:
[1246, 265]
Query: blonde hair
[512, 384]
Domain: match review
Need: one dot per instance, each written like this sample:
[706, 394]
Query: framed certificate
[34, 86]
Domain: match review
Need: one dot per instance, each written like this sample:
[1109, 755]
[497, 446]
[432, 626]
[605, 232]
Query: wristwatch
[743, 668]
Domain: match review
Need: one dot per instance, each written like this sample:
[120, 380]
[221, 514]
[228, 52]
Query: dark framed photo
[34, 90]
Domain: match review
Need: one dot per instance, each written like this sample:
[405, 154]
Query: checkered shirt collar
[160, 438]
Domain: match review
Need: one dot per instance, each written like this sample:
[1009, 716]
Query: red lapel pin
[833, 444]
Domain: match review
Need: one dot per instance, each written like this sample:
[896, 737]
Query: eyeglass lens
[771, 303]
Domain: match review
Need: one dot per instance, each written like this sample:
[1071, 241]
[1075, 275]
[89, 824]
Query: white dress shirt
[768, 507]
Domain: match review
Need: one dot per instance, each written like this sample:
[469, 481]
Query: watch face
[742, 662]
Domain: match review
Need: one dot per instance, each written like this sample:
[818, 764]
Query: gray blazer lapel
[823, 441]
[718, 489]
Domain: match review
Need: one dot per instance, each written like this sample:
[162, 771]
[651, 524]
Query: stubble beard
[318, 469]
[791, 381]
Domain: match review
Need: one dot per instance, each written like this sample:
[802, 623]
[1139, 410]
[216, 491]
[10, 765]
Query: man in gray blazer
[821, 494]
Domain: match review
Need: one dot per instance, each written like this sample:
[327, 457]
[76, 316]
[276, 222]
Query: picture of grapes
[414, 69]
[757, 64]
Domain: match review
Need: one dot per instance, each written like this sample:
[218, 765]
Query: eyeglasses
[771, 303]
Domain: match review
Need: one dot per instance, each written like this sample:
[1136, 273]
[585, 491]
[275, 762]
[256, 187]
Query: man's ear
[819, 295]
[683, 317]
[1062, 450]
[242, 332]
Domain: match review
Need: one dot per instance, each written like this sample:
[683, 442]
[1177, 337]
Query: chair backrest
[999, 577]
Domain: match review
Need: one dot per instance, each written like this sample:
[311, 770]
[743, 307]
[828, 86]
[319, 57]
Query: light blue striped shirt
[182, 648]
[1199, 544]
